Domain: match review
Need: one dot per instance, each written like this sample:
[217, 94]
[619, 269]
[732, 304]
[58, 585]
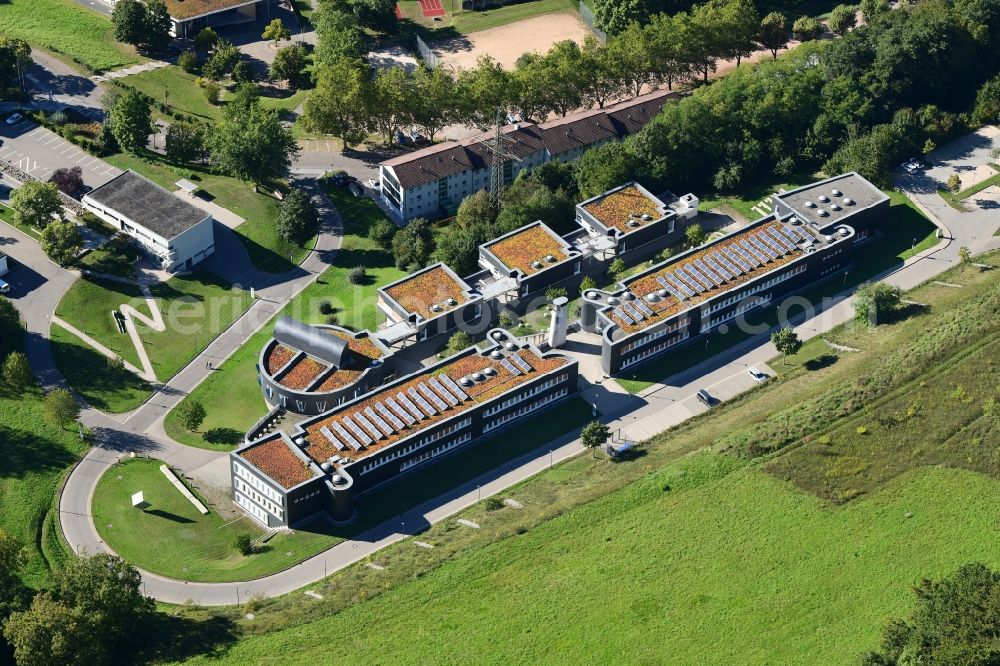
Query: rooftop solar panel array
[442, 391]
[360, 434]
[725, 273]
[392, 418]
[621, 314]
[368, 426]
[419, 399]
[644, 309]
[506, 365]
[402, 413]
[406, 402]
[633, 312]
[333, 440]
[454, 388]
[432, 396]
[516, 359]
[347, 437]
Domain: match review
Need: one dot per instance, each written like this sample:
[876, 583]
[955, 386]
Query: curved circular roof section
[311, 340]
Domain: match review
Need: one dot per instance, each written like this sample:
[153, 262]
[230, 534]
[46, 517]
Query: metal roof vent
[496, 353]
[536, 264]
[337, 478]
[633, 223]
[510, 346]
[628, 295]
[498, 335]
[478, 376]
[490, 371]
[326, 467]
[845, 232]
[550, 258]
[465, 381]
[837, 193]
[823, 213]
[451, 301]
[828, 238]
[810, 204]
[647, 217]
[835, 206]
[435, 308]
[652, 298]
[612, 300]
[823, 198]
[301, 441]
[591, 295]
[662, 293]
[848, 201]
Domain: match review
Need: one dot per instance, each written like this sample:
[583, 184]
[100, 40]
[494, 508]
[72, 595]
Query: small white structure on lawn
[139, 502]
[174, 231]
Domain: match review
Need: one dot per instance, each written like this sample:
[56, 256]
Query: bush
[505, 320]
[617, 267]
[332, 320]
[552, 293]
[357, 275]
[381, 232]
[458, 342]
[325, 308]
[785, 166]
[115, 362]
[188, 61]
[212, 92]
[493, 504]
[588, 283]
[244, 544]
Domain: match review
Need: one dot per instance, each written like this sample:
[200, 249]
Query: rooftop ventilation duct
[490, 371]
[612, 300]
[591, 295]
[496, 353]
[837, 193]
[478, 377]
[647, 217]
[828, 239]
[510, 346]
[326, 467]
[536, 264]
[435, 308]
[824, 213]
[652, 298]
[451, 301]
[465, 381]
[550, 258]
[823, 198]
[662, 293]
[810, 204]
[498, 335]
[848, 201]
[835, 206]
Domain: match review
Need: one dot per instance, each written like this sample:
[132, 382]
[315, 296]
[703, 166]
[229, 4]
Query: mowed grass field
[740, 570]
[195, 309]
[714, 557]
[66, 27]
[231, 394]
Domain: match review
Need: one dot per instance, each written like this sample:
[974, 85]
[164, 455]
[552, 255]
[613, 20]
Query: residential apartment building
[432, 182]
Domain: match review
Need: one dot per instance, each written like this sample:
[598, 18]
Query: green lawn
[173, 539]
[109, 389]
[7, 217]
[195, 309]
[465, 22]
[267, 251]
[750, 195]
[67, 28]
[177, 88]
[742, 569]
[35, 457]
[955, 199]
[905, 232]
[231, 394]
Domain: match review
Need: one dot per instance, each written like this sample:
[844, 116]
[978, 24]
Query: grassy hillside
[733, 555]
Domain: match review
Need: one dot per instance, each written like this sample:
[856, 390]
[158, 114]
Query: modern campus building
[808, 236]
[179, 234]
[433, 181]
[323, 463]
[530, 259]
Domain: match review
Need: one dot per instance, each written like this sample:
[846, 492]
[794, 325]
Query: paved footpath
[633, 417]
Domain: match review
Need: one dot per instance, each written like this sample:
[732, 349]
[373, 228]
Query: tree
[613, 16]
[191, 414]
[185, 142]
[603, 168]
[290, 65]
[738, 24]
[475, 209]
[253, 145]
[298, 219]
[458, 246]
[871, 10]
[131, 121]
[413, 244]
[616, 267]
[806, 29]
[482, 90]
[243, 72]
[157, 25]
[787, 342]
[594, 434]
[954, 621]
[338, 36]
[14, 594]
[555, 175]
[69, 180]
[379, 15]
[390, 101]
[695, 234]
[588, 283]
[954, 183]
[338, 105]
[601, 79]
[874, 302]
[381, 232]
[842, 19]
[987, 108]
[221, 62]
[109, 591]
[61, 241]
[433, 99]
[206, 39]
[15, 56]
[276, 31]
[357, 275]
[36, 204]
[964, 255]
[459, 341]
[17, 373]
[773, 34]
[50, 633]
[243, 543]
[129, 21]
[188, 61]
[60, 407]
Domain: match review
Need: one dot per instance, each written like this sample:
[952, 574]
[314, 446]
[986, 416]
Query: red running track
[431, 8]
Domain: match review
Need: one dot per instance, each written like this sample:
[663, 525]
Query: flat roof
[358, 357]
[431, 390]
[275, 459]
[708, 271]
[189, 9]
[147, 204]
[623, 208]
[831, 200]
[436, 286]
[523, 248]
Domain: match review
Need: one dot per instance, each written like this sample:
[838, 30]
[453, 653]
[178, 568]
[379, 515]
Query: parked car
[913, 165]
[758, 376]
[13, 118]
[342, 179]
[4, 287]
[705, 398]
[401, 139]
[372, 183]
[416, 137]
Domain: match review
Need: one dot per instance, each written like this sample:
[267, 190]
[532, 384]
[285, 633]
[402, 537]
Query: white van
[4, 287]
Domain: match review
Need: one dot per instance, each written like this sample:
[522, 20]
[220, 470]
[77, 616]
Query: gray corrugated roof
[147, 204]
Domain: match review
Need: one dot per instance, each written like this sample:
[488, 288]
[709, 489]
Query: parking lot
[39, 152]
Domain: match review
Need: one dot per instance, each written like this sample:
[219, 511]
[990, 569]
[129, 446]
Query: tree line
[901, 84]
[351, 102]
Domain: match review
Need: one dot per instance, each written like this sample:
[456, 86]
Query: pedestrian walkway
[129, 71]
[93, 343]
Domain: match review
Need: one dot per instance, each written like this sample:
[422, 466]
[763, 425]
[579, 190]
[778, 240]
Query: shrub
[785, 166]
[212, 92]
[505, 320]
[325, 308]
[188, 61]
[357, 275]
[493, 504]
[588, 283]
[617, 267]
[552, 293]
[59, 118]
[954, 183]
[458, 341]
[381, 232]
[115, 362]
[332, 320]
[243, 544]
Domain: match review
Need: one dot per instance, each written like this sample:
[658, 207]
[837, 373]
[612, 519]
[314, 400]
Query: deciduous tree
[773, 33]
[338, 105]
[875, 302]
[433, 99]
[185, 142]
[36, 204]
[842, 19]
[60, 407]
[129, 20]
[191, 414]
[298, 219]
[613, 16]
[290, 65]
[276, 31]
[253, 145]
[17, 374]
[787, 342]
[413, 245]
[69, 180]
[51, 633]
[131, 121]
[594, 434]
[806, 29]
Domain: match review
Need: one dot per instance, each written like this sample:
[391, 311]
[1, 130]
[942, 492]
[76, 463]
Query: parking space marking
[36, 131]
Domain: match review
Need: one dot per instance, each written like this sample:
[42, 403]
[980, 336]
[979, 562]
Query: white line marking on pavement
[35, 131]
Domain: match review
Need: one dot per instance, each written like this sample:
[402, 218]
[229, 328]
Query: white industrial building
[179, 234]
